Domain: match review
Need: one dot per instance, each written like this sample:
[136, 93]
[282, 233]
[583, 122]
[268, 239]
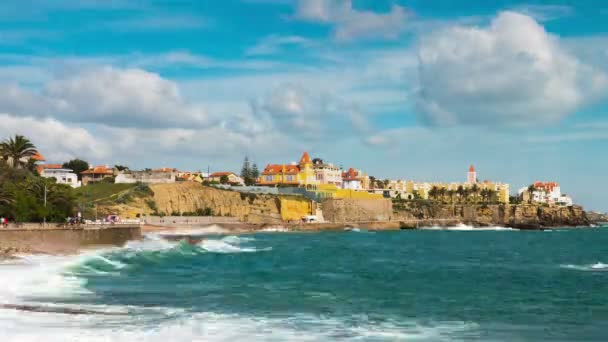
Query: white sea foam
[274, 229]
[221, 246]
[237, 240]
[597, 267]
[466, 228]
[215, 327]
[213, 229]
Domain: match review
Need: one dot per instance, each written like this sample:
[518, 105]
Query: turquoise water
[410, 285]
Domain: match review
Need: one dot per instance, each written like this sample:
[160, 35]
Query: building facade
[61, 175]
[233, 178]
[96, 174]
[301, 174]
[545, 193]
[328, 174]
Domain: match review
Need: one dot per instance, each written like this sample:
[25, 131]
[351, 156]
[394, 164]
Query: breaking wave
[597, 267]
[467, 228]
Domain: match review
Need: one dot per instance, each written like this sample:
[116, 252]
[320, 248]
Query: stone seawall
[65, 240]
[357, 210]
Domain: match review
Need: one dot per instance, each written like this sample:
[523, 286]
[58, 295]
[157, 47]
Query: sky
[402, 89]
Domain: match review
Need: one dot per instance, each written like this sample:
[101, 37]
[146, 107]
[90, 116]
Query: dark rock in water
[56, 309]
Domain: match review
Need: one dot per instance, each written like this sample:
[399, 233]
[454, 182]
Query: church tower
[472, 175]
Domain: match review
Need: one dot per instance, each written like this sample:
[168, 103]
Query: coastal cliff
[523, 216]
[191, 198]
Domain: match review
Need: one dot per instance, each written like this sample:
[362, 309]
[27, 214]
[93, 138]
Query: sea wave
[220, 327]
[597, 267]
[467, 228]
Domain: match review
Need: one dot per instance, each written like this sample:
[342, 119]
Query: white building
[328, 174]
[63, 176]
[546, 192]
[352, 180]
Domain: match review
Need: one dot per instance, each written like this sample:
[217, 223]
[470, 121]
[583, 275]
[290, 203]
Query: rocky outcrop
[523, 216]
[191, 197]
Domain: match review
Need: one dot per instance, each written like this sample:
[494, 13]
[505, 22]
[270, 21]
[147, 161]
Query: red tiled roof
[220, 174]
[547, 186]
[38, 157]
[273, 169]
[472, 168]
[351, 174]
[98, 170]
[305, 159]
[51, 166]
[165, 169]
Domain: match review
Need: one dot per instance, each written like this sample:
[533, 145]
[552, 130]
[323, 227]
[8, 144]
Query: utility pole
[44, 205]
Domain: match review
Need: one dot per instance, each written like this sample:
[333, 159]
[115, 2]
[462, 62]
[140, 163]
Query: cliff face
[518, 216]
[189, 197]
[357, 210]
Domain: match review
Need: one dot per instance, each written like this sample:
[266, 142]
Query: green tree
[224, 179]
[255, 172]
[246, 169]
[434, 192]
[372, 181]
[460, 193]
[386, 182]
[15, 149]
[77, 165]
[451, 194]
[475, 192]
[121, 168]
[442, 192]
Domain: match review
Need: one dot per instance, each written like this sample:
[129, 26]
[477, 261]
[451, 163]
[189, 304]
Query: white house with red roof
[62, 175]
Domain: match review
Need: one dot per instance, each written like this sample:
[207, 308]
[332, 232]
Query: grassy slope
[98, 192]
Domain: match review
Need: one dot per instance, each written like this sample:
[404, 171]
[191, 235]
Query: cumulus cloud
[512, 72]
[57, 141]
[297, 111]
[351, 23]
[110, 96]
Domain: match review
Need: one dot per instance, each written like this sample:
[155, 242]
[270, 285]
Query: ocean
[435, 285]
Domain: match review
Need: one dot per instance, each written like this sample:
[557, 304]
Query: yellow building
[301, 174]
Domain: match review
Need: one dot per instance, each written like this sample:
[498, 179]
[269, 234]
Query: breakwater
[64, 240]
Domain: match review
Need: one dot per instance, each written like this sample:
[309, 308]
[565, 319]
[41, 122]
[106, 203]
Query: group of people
[3, 222]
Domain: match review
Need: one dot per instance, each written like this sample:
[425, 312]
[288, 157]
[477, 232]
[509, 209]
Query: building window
[268, 178]
[291, 178]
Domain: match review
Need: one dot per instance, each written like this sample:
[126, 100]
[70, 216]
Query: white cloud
[110, 96]
[545, 12]
[351, 23]
[274, 43]
[57, 141]
[297, 111]
[512, 72]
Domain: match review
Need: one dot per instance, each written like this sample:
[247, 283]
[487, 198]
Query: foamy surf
[597, 267]
[467, 228]
[219, 327]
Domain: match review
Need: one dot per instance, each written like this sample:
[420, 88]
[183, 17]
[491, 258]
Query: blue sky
[415, 89]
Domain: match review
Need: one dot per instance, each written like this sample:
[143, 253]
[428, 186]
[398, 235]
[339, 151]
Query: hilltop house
[327, 174]
[233, 178]
[545, 193]
[355, 180]
[96, 174]
[301, 174]
[61, 175]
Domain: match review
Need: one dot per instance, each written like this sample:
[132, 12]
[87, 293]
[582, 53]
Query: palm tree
[6, 197]
[484, 195]
[531, 190]
[475, 191]
[466, 193]
[460, 192]
[17, 148]
[433, 192]
[442, 192]
[451, 194]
